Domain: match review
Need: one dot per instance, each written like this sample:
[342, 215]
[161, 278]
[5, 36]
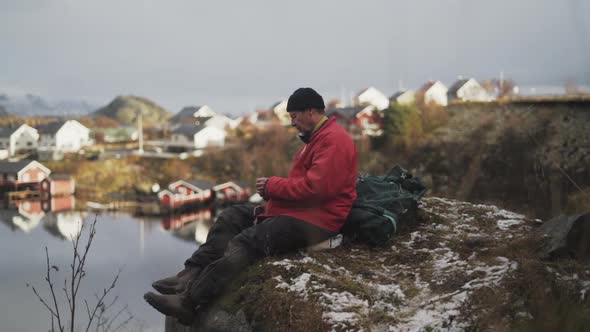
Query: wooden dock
[16, 196]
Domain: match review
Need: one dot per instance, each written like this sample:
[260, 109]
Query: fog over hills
[34, 105]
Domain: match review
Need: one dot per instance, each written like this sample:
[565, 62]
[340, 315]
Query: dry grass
[533, 297]
[269, 309]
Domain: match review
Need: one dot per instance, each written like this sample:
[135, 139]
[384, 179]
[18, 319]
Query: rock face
[463, 267]
[566, 237]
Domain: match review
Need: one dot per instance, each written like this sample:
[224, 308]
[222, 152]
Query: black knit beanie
[304, 98]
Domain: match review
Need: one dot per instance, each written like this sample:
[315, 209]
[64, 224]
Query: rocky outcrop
[566, 237]
[462, 267]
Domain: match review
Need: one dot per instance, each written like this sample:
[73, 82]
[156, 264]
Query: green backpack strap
[387, 215]
[379, 211]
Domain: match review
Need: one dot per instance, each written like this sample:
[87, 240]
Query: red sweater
[321, 186]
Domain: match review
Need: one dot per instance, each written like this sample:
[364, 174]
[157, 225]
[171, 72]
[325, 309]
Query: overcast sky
[238, 55]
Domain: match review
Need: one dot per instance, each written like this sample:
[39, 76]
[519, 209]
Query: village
[190, 132]
[195, 128]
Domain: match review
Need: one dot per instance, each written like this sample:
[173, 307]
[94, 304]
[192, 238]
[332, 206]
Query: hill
[3, 111]
[124, 109]
[528, 155]
[529, 158]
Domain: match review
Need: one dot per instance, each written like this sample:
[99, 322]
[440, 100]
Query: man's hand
[260, 184]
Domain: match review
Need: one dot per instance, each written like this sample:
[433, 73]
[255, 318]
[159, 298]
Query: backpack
[383, 205]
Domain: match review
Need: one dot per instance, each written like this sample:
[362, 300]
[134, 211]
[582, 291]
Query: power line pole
[140, 131]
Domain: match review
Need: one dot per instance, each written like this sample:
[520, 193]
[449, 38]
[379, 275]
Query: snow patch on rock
[428, 287]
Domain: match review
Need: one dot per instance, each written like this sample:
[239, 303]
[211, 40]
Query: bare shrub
[101, 315]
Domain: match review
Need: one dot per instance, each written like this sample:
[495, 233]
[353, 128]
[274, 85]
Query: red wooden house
[21, 175]
[359, 120]
[182, 193]
[177, 221]
[58, 185]
[232, 191]
[62, 203]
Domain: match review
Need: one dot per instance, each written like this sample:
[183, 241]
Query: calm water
[145, 249]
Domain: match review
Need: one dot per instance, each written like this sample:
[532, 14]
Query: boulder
[566, 237]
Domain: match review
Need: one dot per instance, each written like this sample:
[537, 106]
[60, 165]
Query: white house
[371, 96]
[197, 115]
[118, 134]
[234, 123]
[209, 136]
[468, 90]
[18, 139]
[262, 118]
[197, 137]
[280, 110]
[220, 121]
[189, 114]
[403, 97]
[434, 93]
[64, 136]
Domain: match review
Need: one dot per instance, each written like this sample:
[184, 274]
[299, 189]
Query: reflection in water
[57, 216]
[61, 221]
[64, 225]
[190, 226]
[116, 245]
[24, 216]
[27, 214]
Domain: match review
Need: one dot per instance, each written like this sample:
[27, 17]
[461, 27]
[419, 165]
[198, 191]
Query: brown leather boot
[177, 283]
[176, 305]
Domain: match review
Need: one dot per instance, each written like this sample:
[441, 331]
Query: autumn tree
[402, 125]
[499, 88]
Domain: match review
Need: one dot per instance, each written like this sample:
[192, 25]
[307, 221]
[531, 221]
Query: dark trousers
[234, 242]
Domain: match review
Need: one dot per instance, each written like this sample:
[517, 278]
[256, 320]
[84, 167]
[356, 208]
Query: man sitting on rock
[307, 207]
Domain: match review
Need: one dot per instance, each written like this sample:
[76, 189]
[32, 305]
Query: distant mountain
[31, 105]
[78, 107]
[3, 111]
[126, 108]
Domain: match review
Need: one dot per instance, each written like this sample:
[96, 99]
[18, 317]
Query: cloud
[257, 48]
